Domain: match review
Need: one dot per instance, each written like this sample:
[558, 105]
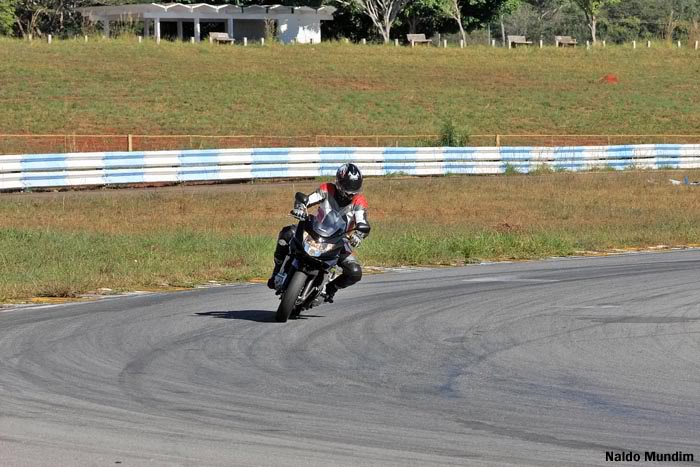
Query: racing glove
[355, 239]
[299, 212]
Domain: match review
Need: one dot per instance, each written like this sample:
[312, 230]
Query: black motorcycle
[314, 252]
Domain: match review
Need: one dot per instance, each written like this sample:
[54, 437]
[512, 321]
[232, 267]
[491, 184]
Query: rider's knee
[353, 272]
[286, 235]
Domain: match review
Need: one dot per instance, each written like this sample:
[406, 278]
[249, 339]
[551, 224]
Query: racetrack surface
[537, 363]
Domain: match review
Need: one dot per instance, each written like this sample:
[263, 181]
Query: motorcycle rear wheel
[289, 299]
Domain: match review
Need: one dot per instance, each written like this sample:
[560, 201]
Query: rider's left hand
[355, 239]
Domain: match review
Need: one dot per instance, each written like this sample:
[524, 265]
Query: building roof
[202, 10]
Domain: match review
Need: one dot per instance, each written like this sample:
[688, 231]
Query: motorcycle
[315, 250]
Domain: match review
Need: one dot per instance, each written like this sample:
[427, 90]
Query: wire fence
[68, 143]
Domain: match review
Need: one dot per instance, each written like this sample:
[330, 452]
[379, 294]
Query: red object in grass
[610, 79]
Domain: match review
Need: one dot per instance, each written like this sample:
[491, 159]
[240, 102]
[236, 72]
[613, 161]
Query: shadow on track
[260, 316]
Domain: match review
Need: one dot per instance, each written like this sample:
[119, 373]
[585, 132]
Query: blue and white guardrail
[18, 172]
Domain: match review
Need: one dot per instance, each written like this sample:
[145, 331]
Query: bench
[417, 39]
[220, 37]
[517, 40]
[565, 41]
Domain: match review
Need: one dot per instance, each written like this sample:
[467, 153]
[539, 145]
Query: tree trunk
[694, 30]
[670, 26]
[412, 24]
[593, 25]
[462, 32]
[21, 28]
[386, 30]
[503, 32]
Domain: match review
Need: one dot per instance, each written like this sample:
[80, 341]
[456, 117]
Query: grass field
[63, 244]
[119, 86]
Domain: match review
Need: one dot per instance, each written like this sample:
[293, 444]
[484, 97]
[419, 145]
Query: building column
[229, 27]
[156, 29]
[146, 28]
[197, 30]
[179, 29]
[105, 27]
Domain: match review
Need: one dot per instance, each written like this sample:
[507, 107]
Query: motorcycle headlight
[314, 248]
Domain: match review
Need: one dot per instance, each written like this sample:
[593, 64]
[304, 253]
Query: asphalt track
[539, 363]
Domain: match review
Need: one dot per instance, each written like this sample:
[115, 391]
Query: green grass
[63, 244]
[120, 86]
[63, 264]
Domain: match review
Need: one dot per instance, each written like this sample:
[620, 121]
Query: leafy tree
[7, 16]
[507, 7]
[470, 14]
[423, 15]
[591, 9]
[39, 17]
[349, 22]
[383, 13]
[545, 19]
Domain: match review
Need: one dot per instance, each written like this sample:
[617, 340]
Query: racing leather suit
[355, 211]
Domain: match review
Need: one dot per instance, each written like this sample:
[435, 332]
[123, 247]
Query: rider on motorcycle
[346, 198]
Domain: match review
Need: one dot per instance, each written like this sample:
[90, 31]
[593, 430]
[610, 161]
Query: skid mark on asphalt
[508, 279]
[509, 432]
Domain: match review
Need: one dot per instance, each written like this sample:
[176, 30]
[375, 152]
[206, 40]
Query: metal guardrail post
[130, 143]
[498, 140]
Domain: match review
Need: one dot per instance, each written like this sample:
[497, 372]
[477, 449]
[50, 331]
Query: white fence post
[541, 43]
[364, 41]
[140, 39]
[86, 38]
[493, 42]
[396, 42]
[588, 45]
[679, 44]
[245, 42]
[634, 44]
[444, 44]
[48, 38]
[696, 44]
[262, 41]
[461, 43]
[603, 44]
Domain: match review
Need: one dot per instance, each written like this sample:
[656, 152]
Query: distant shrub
[510, 169]
[453, 135]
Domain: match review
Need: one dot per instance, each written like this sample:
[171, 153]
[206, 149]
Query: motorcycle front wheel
[289, 299]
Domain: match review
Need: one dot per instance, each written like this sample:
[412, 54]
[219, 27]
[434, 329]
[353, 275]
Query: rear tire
[289, 299]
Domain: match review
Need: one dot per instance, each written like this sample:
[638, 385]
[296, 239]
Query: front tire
[289, 299]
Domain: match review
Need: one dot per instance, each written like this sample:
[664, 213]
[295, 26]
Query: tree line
[384, 20]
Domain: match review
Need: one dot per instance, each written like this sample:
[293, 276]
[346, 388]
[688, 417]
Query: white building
[293, 24]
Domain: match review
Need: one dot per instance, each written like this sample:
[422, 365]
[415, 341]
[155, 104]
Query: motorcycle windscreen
[328, 222]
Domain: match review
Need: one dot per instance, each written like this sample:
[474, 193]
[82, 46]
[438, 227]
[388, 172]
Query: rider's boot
[281, 252]
[330, 291]
[271, 280]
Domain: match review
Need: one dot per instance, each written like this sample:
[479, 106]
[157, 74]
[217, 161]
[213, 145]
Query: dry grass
[71, 242]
